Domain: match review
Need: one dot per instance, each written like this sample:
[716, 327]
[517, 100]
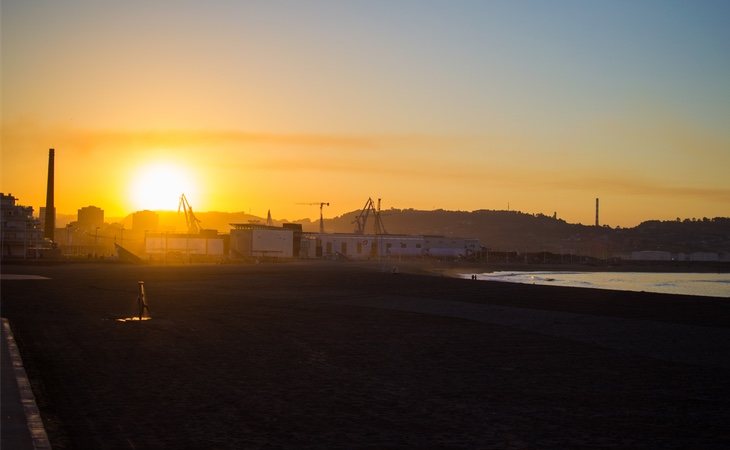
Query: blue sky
[628, 100]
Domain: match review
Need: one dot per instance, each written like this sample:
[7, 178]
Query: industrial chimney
[50, 224]
[597, 212]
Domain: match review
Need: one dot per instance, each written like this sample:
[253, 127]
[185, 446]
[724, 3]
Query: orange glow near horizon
[232, 171]
[465, 107]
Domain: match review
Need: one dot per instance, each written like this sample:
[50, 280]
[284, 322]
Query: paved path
[17, 404]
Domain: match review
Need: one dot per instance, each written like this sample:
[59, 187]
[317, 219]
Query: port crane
[321, 217]
[190, 219]
[362, 218]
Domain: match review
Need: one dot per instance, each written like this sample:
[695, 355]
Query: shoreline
[648, 267]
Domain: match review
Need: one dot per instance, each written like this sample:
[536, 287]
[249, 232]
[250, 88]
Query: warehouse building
[450, 247]
[261, 241]
[364, 246]
[258, 241]
[183, 247]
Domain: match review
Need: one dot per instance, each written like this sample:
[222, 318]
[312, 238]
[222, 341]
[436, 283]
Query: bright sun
[158, 187]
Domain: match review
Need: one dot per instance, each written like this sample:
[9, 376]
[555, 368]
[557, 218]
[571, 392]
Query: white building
[255, 241]
[370, 246]
[359, 246]
[651, 255]
[184, 247]
[20, 233]
[450, 247]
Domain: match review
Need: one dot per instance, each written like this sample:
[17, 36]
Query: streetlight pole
[25, 239]
[96, 239]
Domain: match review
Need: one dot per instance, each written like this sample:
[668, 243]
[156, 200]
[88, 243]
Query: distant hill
[517, 231]
[173, 221]
[505, 230]
[222, 221]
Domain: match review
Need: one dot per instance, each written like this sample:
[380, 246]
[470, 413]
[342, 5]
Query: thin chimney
[597, 212]
[50, 224]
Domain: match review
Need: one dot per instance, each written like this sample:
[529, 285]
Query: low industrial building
[370, 246]
[256, 241]
[184, 247]
[450, 247]
[261, 241]
[360, 246]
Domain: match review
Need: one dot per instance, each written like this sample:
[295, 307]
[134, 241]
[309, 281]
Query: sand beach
[345, 355]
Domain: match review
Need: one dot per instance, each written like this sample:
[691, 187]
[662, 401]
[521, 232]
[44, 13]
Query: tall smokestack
[597, 212]
[50, 224]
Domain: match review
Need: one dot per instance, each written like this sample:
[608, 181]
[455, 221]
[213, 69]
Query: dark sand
[346, 356]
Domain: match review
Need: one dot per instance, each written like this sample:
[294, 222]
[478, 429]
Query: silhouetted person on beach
[142, 302]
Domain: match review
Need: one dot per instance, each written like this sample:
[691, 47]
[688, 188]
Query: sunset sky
[251, 106]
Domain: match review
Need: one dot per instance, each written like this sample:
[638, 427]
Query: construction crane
[192, 221]
[321, 217]
[362, 218]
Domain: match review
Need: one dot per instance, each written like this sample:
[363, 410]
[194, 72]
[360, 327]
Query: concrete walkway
[21, 426]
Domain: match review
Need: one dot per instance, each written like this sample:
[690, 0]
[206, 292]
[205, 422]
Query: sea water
[706, 284]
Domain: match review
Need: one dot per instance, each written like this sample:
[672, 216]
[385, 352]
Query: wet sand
[326, 355]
